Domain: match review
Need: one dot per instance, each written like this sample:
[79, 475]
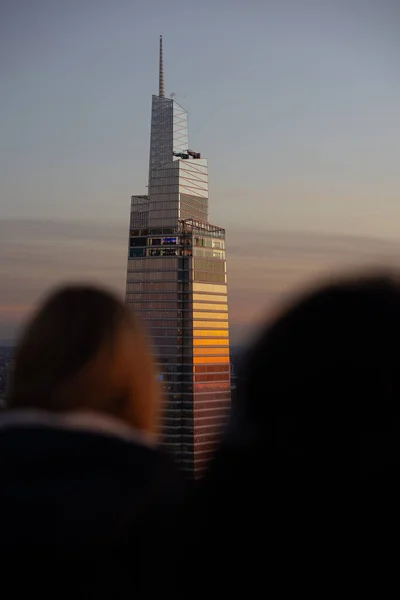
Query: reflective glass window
[223, 333]
[202, 324]
[209, 351]
[210, 342]
[205, 306]
[210, 315]
[209, 287]
[209, 297]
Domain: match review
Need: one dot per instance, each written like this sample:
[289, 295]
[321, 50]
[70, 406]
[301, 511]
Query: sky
[294, 102]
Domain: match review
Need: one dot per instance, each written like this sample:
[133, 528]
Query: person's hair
[327, 371]
[65, 335]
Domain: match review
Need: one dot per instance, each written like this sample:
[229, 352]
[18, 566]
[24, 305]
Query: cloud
[263, 267]
[36, 256]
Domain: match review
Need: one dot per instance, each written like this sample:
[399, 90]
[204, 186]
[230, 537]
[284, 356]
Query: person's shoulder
[52, 448]
[117, 490]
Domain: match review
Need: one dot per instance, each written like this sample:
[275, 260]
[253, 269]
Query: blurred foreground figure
[305, 486]
[84, 492]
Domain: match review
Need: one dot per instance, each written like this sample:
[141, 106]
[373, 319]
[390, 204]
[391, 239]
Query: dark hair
[65, 335]
[326, 374]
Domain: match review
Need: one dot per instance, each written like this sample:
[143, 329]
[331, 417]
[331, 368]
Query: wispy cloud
[263, 267]
[37, 256]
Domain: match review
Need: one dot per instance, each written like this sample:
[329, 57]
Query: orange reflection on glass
[205, 306]
[210, 287]
[208, 342]
[217, 351]
[209, 298]
[212, 385]
[210, 315]
[211, 333]
[219, 324]
[216, 360]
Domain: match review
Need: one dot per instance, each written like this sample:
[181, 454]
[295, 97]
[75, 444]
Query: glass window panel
[215, 386]
[169, 314]
[150, 291]
[136, 252]
[210, 287]
[153, 305]
[210, 342]
[202, 324]
[212, 369]
[164, 341]
[209, 297]
[162, 252]
[138, 241]
[205, 306]
[199, 360]
[207, 264]
[211, 377]
[211, 333]
[210, 315]
[209, 396]
[210, 351]
[209, 252]
[208, 276]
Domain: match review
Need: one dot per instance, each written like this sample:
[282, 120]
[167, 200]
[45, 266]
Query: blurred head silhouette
[322, 385]
[83, 350]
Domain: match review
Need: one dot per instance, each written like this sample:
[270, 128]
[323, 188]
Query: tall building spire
[161, 83]
[191, 344]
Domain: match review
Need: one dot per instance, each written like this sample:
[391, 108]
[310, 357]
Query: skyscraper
[176, 282]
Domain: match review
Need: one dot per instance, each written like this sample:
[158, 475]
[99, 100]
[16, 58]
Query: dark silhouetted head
[322, 382]
[310, 463]
[84, 350]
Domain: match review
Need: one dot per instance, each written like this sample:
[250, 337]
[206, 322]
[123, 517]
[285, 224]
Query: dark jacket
[84, 513]
[264, 519]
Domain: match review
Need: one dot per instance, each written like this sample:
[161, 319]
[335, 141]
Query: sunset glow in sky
[294, 103]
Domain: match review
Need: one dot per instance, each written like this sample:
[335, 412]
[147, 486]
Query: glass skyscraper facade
[176, 283]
